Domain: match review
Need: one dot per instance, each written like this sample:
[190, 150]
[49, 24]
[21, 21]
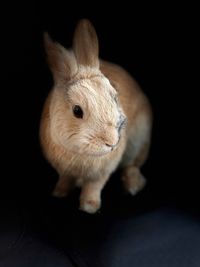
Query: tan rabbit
[95, 119]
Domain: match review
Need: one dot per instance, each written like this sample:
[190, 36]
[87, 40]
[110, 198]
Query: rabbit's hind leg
[135, 156]
[133, 180]
[132, 177]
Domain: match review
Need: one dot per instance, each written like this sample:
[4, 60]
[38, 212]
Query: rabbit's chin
[100, 153]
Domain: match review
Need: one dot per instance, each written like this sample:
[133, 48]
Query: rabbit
[95, 119]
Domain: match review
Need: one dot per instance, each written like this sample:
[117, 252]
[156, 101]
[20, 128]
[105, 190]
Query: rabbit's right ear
[85, 44]
[61, 61]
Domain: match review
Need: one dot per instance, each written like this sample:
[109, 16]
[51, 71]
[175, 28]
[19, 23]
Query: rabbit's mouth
[103, 149]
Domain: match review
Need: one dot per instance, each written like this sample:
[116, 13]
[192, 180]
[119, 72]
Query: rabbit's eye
[78, 112]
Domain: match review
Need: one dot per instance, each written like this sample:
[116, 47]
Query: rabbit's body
[85, 161]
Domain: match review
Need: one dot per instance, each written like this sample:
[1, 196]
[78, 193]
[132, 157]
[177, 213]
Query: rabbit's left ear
[85, 44]
[61, 61]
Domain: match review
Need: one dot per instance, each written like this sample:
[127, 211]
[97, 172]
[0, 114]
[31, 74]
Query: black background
[155, 43]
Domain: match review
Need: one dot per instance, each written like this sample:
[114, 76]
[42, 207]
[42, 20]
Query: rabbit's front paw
[133, 180]
[90, 205]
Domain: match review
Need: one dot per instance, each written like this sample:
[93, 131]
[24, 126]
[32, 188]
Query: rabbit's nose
[112, 146]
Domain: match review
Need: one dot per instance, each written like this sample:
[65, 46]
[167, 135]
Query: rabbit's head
[85, 114]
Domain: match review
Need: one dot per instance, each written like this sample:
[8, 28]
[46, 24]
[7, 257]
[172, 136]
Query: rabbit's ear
[85, 44]
[61, 61]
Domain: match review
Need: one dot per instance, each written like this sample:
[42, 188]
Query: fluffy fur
[116, 125]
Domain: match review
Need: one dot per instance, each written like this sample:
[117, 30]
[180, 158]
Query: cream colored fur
[86, 151]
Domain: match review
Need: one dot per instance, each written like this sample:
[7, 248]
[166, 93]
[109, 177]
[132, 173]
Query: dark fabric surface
[22, 245]
[57, 234]
[126, 232]
[161, 238]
